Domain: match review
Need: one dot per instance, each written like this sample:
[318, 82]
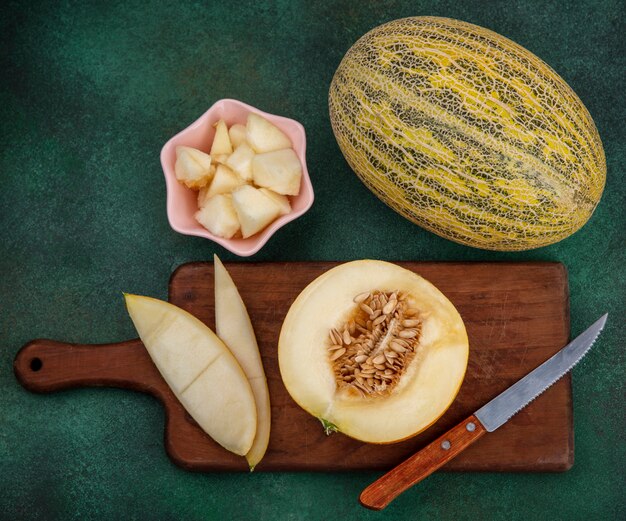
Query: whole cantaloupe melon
[467, 134]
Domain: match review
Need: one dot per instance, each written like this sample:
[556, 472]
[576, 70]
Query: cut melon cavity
[373, 350]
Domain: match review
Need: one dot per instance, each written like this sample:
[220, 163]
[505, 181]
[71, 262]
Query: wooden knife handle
[44, 366]
[419, 466]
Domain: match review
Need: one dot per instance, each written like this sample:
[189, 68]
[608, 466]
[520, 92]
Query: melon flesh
[279, 199]
[237, 134]
[220, 158]
[426, 387]
[202, 158]
[263, 136]
[203, 193]
[240, 161]
[224, 181]
[193, 170]
[200, 370]
[221, 142]
[279, 171]
[234, 328]
[218, 215]
[254, 210]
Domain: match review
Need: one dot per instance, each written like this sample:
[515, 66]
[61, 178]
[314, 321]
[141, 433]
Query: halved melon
[373, 350]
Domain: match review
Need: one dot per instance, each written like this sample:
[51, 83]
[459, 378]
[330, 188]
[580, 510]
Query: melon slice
[240, 161]
[279, 171]
[254, 210]
[237, 134]
[221, 142]
[218, 215]
[192, 167]
[200, 370]
[373, 350]
[263, 136]
[234, 328]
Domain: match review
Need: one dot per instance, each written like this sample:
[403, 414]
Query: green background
[89, 94]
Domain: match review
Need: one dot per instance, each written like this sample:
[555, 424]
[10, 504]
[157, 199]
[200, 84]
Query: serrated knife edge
[507, 404]
[487, 419]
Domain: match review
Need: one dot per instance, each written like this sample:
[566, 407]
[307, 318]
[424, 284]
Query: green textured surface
[89, 93]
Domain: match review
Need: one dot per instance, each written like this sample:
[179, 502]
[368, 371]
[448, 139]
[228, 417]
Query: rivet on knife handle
[380, 493]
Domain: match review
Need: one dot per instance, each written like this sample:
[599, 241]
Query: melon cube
[221, 141]
[202, 193]
[224, 181]
[191, 172]
[220, 158]
[241, 161]
[279, 171]
[254, 209]
[218, 215]
[202, 158]
[202, 197]
[263, 136]
[237, 134]
[281, 200]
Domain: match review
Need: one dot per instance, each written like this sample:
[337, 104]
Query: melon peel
[467, 134]
[410, 358]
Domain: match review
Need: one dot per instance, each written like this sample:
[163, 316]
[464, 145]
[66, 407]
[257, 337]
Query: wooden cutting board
[516, 314]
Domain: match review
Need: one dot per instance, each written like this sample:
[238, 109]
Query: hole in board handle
[36, 364]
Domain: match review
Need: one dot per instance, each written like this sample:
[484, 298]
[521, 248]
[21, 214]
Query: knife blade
[486, 419]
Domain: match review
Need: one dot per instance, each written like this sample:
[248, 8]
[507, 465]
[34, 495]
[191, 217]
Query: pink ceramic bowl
[182, 202]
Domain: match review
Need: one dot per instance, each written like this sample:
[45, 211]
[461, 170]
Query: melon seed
[389, 307]
[379, 320]
[367, 309]
[375, 314]
[337, 354]
[379, 359]
[397, 347]
[363, 357]
[361, 297]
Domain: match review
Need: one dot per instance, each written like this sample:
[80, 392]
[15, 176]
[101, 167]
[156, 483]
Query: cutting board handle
[44, 366]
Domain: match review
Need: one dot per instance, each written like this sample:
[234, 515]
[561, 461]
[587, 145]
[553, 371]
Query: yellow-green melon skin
[467, 134]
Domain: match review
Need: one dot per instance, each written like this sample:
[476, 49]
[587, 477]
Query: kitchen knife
[486, 419]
